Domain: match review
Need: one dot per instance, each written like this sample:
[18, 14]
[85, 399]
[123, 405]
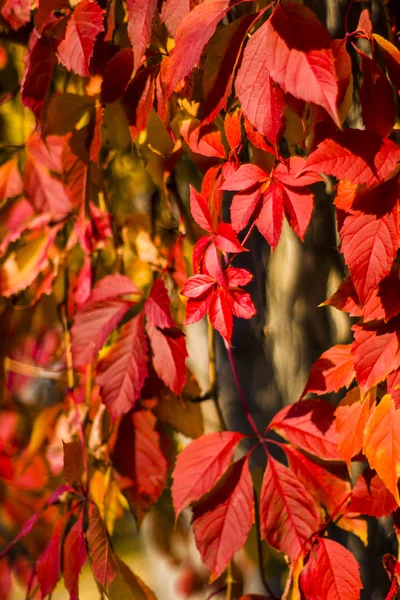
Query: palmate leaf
[331, 572]
[200, 465]
[223, 519]
[288, 513]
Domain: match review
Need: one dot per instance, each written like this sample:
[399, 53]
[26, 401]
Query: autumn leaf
[85, 24]
[352, 415]
[146, 471]
[331, 572]
[223, 519]
[375, 351]
[333, 370]
[74, 556]
[288, 513]
[140, 16]
[371, 497]
[200, 465]
[299, 58]
[123, 370]
[102, 560]
[310, 425]
[381, 443]
[356, 156]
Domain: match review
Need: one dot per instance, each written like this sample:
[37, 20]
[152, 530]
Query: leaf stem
[82, 440]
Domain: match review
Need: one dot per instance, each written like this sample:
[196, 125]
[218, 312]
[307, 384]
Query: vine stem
[243, 400]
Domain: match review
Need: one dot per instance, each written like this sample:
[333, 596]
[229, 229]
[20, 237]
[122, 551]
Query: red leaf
[197, 308]
[74, 556]
[169, 356]
[243, 306]
[376, 89]
[233, 129]
[260, 97]
[243, 207]
[192, 34]
[245, 177]
[375, 353]
[222, 521]
[140, 17]
[371, 496]
[223, 53]
[200, 210]
[16, 12]
[203, 139]
[138, 100]
[122, 372]
[226, 239]
[384, 302]
[46, 193]
[197, 286]
[382, 443]
[237, 277]
[146, 469]
[393, 386]
[355, 156]
[10, 179]
[48, 565]
[200, 465]
[92, 326]
[288, 513]
[111, 287]
[73, 462]
[345, 298]
[369, 246]
[299, 59]
[352, 416]
[38, 75]
[173, 12]
[75, 162]
[157, 306]
[25, 529]
[221, 314]
[270, 218]
[85, 24]
[310, 425]
[117, 75]
[102, 561]
[331, 572]
[329, 484]
[333, 370]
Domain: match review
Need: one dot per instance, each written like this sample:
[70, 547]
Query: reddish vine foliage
[255, 97]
